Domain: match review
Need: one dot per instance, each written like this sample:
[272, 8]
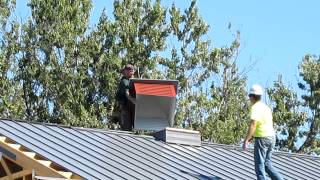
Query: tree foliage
[288, 115]
[309, 71]
[57, 68]
[11, 104]
[228, 103]
[6, 7]
[298, 118]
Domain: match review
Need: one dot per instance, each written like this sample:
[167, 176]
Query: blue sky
[274, 34]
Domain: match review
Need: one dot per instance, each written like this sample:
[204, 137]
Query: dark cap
[129, 67]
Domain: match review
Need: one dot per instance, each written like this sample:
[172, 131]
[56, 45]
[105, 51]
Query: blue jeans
[262, 158]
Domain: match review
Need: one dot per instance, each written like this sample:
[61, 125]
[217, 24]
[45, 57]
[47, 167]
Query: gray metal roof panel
[100, 154]
[49, 147]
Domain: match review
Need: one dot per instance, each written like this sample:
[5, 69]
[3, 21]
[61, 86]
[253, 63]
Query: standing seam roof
[102, 154]
[101, 151]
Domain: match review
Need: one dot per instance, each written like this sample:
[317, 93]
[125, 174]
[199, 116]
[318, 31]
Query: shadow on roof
[201, 176]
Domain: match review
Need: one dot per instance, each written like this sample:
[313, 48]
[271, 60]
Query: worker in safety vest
[261, 130]
[125, 98]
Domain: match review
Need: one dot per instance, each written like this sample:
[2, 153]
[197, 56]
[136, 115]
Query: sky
[275, 35]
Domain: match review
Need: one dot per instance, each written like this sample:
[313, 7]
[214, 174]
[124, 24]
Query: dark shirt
[124, 85]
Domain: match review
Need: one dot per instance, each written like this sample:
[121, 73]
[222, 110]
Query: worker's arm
[250, 133]
[133, 100]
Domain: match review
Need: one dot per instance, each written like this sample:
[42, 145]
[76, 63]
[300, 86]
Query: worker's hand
[127, 93]
[245, 145]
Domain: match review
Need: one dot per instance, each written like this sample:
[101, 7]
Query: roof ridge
[32, 122]
[75, 127]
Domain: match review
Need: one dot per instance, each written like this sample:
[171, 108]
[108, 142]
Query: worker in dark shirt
[125, 99]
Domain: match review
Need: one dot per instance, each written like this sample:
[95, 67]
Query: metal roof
[103, 154]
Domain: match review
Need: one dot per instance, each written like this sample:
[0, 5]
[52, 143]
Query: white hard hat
[256, 90]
